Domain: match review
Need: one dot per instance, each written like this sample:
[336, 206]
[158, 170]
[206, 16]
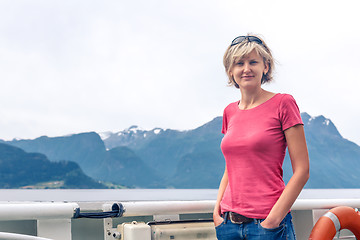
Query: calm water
[86, 195]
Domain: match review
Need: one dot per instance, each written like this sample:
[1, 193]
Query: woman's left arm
[295, 138]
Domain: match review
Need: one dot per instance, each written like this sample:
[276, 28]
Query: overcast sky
[76, 66]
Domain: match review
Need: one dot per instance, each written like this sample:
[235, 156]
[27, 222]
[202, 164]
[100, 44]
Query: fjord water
[90, 195]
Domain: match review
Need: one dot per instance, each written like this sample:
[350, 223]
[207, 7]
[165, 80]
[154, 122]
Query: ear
[266, 70]
[231, 75]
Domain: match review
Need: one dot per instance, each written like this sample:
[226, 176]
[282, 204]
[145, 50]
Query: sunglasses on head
[240, 39]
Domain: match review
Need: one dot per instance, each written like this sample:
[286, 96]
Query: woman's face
[248, 71]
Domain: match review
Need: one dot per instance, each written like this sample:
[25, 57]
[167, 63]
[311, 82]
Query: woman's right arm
[217, 211]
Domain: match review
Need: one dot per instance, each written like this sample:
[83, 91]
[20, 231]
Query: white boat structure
[140, 219]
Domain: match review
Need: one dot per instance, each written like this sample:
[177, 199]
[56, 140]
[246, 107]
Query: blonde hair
[236, 52]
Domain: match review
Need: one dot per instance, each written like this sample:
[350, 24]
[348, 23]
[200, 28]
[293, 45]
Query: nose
[246, 67]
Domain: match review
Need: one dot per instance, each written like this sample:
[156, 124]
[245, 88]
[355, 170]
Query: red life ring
[334, 220]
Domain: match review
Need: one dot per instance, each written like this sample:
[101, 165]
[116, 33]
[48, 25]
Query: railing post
[57, 229]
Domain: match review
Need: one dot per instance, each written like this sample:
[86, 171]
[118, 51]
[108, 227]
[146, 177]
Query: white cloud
[73, 66]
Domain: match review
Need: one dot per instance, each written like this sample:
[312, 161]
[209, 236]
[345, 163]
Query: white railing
[310, 204]
[37, 211]
[14, 236]
[53, 219]
[143, 208]
[43, 210]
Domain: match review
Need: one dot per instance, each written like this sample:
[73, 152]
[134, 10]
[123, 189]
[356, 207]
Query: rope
[117, 211]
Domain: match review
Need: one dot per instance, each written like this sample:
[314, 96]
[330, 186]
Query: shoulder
[230, 110]
[287, 104]
[289, 112]
[232, 106]
[286, 99]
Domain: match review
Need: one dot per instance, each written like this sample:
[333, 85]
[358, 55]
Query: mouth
[247, 77]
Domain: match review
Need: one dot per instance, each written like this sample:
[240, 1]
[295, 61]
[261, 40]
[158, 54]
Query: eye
[253, 62]
[240, 63]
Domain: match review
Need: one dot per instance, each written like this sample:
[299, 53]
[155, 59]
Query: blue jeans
[254, 231]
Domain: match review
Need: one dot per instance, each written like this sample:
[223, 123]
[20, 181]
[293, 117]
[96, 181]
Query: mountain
[86, 149]
[161, 149]
[122, 165]
[194, 160]
[204, 165]
[119, 165]
[130, 137]
[165, 149]
[21, 169]
[334, 160]
[165, 158]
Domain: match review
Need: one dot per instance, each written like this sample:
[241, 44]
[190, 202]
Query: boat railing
[305, 211]
[15, 236]
[141, 208]
[53, 220]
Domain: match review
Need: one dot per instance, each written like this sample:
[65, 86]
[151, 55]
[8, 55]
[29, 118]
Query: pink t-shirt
[254, 147]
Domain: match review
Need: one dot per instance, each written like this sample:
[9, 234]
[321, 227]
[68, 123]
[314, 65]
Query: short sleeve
[224, 123]
[289, 112]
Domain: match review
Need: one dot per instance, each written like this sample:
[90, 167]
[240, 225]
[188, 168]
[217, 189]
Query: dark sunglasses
[240, 39]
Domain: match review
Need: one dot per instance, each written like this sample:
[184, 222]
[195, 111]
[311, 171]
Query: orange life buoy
[334, 220]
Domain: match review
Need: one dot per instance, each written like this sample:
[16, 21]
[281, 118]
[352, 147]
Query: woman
[253, 201]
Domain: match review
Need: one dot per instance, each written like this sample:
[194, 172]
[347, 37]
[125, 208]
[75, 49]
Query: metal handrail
[143, 208]
[37, 210]
[310, 204]
[15, 236]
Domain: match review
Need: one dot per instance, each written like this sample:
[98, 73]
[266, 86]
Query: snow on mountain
[105, 135]
[317, 120]
[134, 129]
[157, 130]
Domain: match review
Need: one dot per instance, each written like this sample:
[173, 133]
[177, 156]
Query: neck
[251, 98]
